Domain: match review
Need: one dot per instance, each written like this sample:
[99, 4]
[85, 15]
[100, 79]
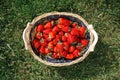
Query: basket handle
[25, 35]
[95, 39]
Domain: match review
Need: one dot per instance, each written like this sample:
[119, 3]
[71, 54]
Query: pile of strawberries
[60, 38]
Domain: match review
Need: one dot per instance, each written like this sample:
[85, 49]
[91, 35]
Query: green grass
[18, 64]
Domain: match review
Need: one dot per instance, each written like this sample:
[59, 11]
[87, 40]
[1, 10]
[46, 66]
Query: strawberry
[47, 50]
[38, 35]
[71, 38]
[42, 50]
[66, 29]
[36, 43]
[55, 55]
[60, 26]
[64, 38]
[40, 28]
[56, 29]
[78, 46]
[50, 45]
[64, 21]
[51, 35]
[69, 56]
[49, 24]
[43, 42]
[55, 49]
[74, 24]
[45, 36]
[71, 49]
[47, 31]
[60, 47]
[75, 31]
[84, 42]
[76, 53]
[63, 54]
[66, 46]
[61, 33]
[82, 31]
[55, 41]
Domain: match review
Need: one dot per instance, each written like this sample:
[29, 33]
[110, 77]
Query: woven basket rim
[58, 64]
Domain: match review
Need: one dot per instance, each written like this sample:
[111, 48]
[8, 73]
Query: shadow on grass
[100, 62]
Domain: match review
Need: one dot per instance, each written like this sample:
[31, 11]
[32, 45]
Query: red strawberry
[74, 24]
[64, 38]
[51, 35]
[50, 45]
[63, 54]
[75, 32]
[55, 49]
[55, 55]
[49, 24]
[66, 29]
[55, 41]
[56, 29]
[38, 35]
[82, 31]
[61, 33]
[36, 43]
[60, 26]
[47, 31]
[71, 38]
[60, 47]
[40, 28]
[57, 37]
[84, 42]
[71, 49]
[76, 53]
[45, 36]
[43, 42]
[66, 46]
[64, 21]
[78, 46]
[42, 50]
[69, 56]
[47, 50]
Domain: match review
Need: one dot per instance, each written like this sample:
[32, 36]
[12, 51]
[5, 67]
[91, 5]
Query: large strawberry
[66, 29]
[36, 43]
[64, 38]
[69, 56]
[84, 42]
[71, 49]
[43, 42]
[76, 53]
[64, 21]
[82, 31]
[51, 35]
[75, 31]
[47, 31]
[50, 45]
[41, 50]
[38, 35]
[71, 39]
[39, 28]
[49, 24]
[56, 29]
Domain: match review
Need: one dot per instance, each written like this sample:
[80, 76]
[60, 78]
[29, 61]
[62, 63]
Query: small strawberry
[76, 53]
[75, 31]
[40, 28]
[49, 24]
[55, 41]
[64, 38]
[61, 33]
[47, 31]
[66, 46]
[50, 45]
[63, 54]
[51, 35]
[84, 42]
[45, 36]
[55, 55]
[56, 29]
[41, 50]
[71, 49]
[74, 24]
[38, 35]
[55, 49]
[43, 42]
[47, 50]
[71, 38]
[66, 29]
[60, 47]
[82, 31]
[36, 43]
[69, 56]
[64, 21]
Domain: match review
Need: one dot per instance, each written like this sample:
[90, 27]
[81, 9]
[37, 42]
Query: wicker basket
[29, 33]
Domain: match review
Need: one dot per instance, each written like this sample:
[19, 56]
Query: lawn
[18, 64]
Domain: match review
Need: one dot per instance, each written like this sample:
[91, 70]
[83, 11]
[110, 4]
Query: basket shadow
[99, 62]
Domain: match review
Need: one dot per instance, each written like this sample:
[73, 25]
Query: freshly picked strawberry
[82, 31]
[64, 38]
[76, 53]
[71, 38]
[36, 43]
[74, 24]
[43, 42]
[66, 46]
[66, 29]
[60, 46]
[49, 24]
[47, 50]
[40, 28]
[55, 55]
[71, 49]
[41, 50]
[84, 42]
[63, 54]
[50, 45]
[64, 21]
[38, 35]
[56, 29]
[69, 56]
[75, 31]
[51, 35]
[47, 31]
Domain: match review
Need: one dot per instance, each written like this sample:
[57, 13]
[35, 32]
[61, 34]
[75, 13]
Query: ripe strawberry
[51, 35]
[66, 29]
[50, 45]
[66, 46]
[41, 50]
[64, 38]
[60, 26]
[64, 21]
[47, 31]
[78, 46]
[75, 32]
[60, 47]
[40, 28]
[69, 56]
[61, 33]
[76, 53]
[56, 29]
[55, 49]
[55, 41]
[63, 54]
[49, 24]
[74, 24]
[71, 49]
[45, 36]
[43, 42]
[55, 55]
[47, 50]
[82, 31]
[38, 35]
[84, 42]
[36, 43]
[71, 38]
